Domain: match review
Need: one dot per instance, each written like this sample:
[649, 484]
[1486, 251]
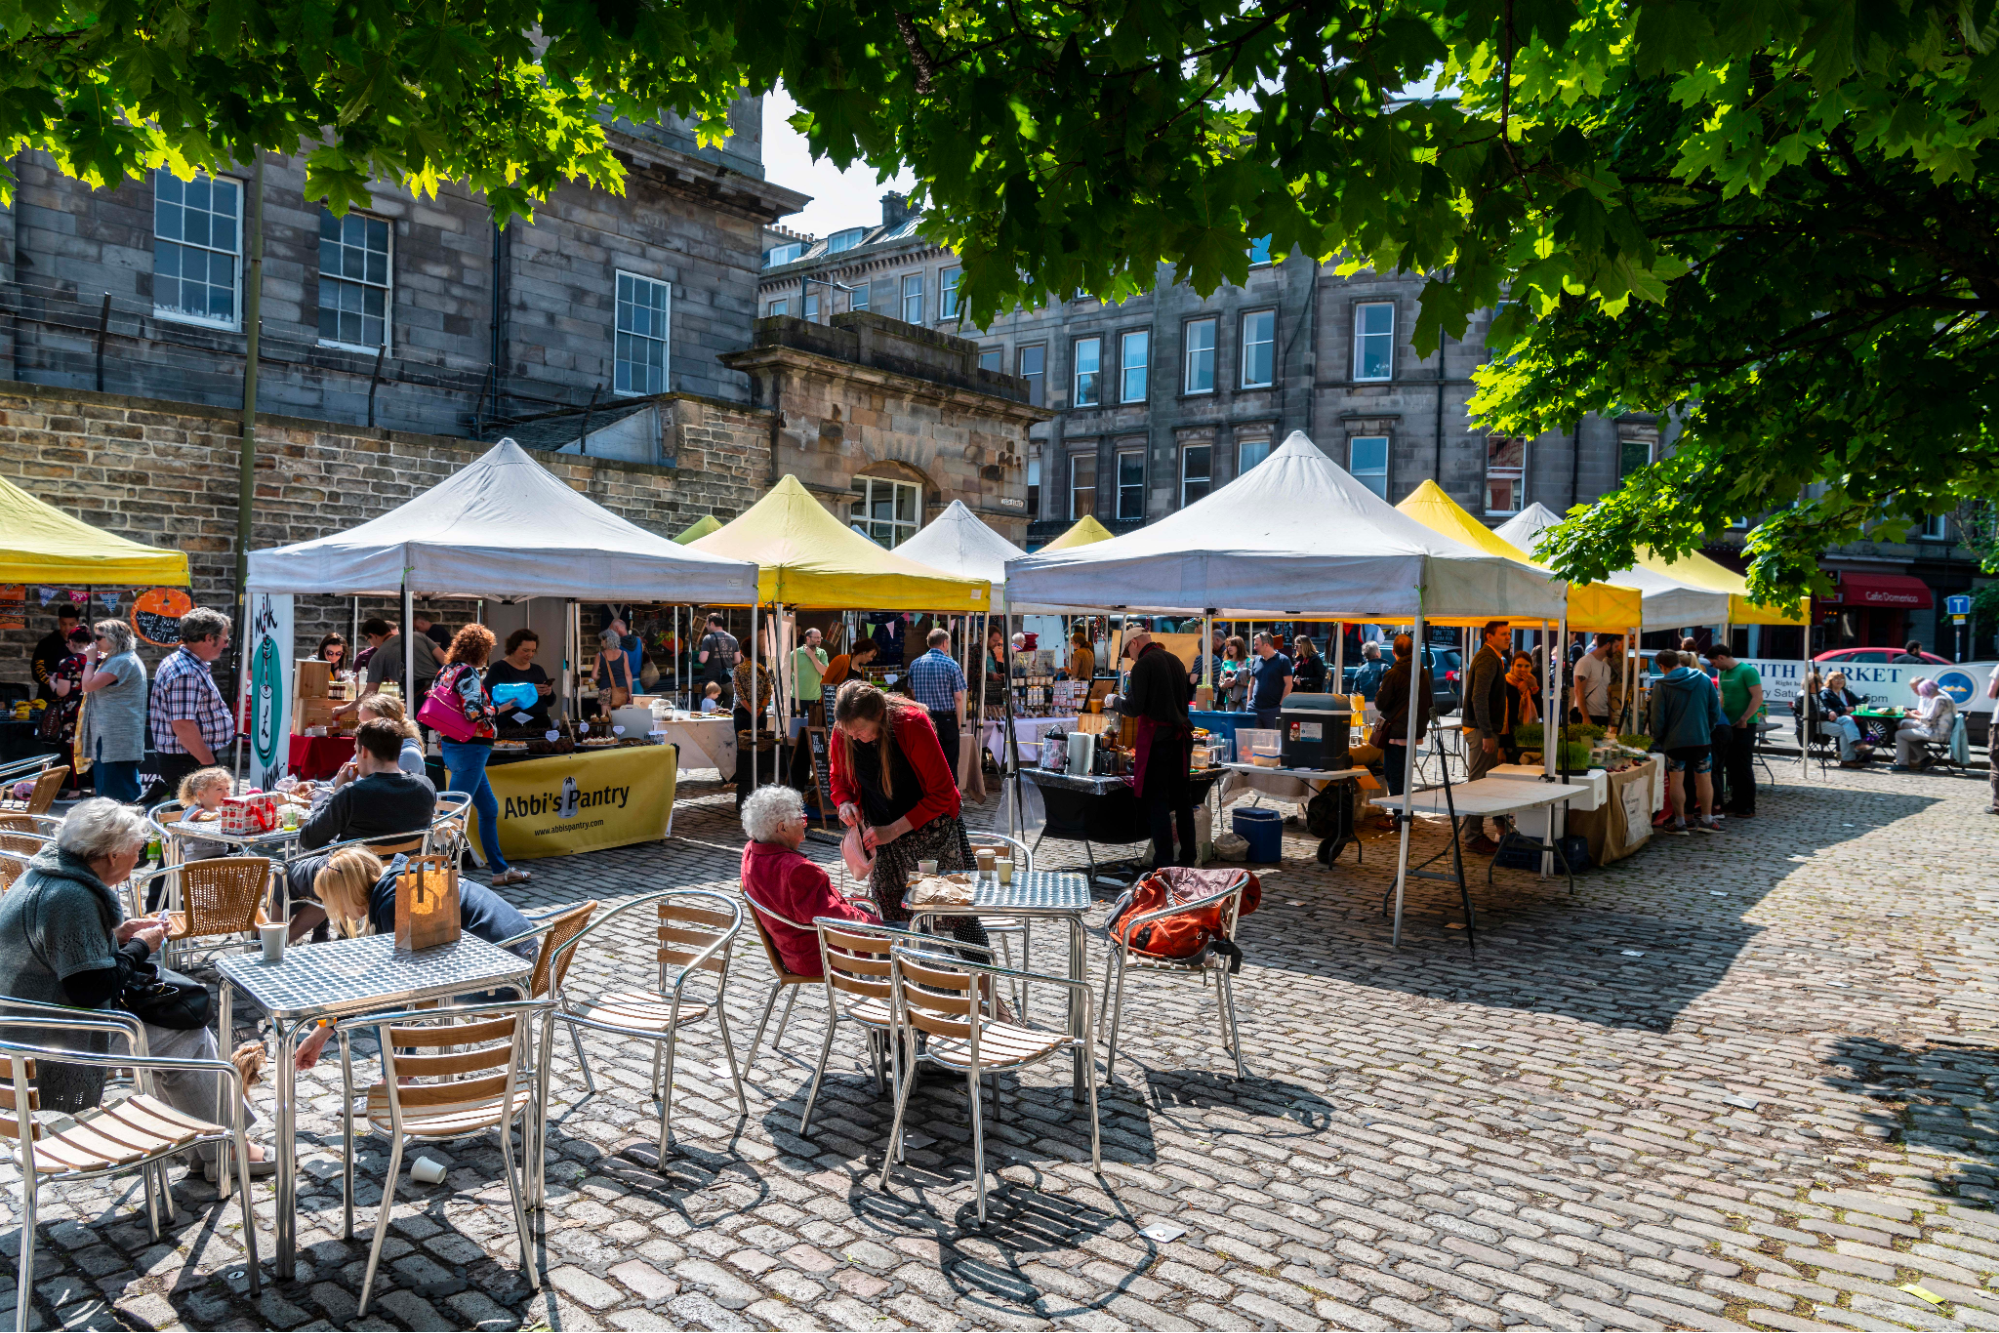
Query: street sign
[1958, 604]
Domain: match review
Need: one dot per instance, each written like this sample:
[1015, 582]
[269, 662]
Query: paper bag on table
[942, 891]
[426, 904]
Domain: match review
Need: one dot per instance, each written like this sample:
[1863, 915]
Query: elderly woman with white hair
[782, 880]
[64, 940]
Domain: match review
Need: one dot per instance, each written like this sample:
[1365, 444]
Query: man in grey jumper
[1485, 721]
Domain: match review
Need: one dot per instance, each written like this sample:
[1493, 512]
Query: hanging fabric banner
[269, 684]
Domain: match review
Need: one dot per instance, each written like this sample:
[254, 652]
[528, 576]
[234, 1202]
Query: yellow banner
[582, 802]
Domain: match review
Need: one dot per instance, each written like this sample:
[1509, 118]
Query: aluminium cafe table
[340, 979]
[1037, 893]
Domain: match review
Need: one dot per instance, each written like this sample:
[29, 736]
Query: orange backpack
[1191, 934]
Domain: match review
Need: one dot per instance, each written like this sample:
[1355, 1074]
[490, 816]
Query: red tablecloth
[316, 758]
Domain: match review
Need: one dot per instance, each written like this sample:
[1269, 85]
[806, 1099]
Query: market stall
[807, 558]
[40, 544]
[1085, 531]
[505, 528]
[1295, 537]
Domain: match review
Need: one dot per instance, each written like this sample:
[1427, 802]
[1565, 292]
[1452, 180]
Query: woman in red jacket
[891, 779]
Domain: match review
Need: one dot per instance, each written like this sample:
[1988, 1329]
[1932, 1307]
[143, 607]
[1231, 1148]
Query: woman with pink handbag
[461, 713]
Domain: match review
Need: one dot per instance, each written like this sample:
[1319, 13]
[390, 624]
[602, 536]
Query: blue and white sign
[1957, 604]
[1958, 684]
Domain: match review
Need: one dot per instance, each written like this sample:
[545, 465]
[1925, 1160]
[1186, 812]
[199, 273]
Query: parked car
[1874, 656]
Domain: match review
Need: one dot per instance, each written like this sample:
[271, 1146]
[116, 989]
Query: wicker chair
[218, 899]
[47, 786]
[13, 865]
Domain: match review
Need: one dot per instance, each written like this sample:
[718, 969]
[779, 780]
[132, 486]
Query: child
[713, 703]
[202, 792]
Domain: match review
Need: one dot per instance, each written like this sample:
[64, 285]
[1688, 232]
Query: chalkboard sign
[822, 776]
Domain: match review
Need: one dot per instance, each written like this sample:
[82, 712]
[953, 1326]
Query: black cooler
[1315, 728]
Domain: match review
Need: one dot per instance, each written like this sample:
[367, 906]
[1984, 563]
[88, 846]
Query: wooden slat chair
[1119, 959]
[132, 1134]
[47, 787]
[786, 981]
[428, 1094]
[854, 962]
[697, 929]
[935, 994]
[554, 928]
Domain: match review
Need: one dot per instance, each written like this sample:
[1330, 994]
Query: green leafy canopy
[1770, 221]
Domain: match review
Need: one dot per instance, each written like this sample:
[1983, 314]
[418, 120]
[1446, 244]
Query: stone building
[887, 422]
[414, 314]
[1158, 400]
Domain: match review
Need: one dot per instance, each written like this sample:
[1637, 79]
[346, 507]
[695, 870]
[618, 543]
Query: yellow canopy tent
[41, 544]
[1592, 606]
[1086, 531]
[698, 529]
[807, 557]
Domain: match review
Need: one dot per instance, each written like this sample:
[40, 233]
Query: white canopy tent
[503, 528]
[1295, 536]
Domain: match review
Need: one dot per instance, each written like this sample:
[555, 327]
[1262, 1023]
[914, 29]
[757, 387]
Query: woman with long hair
[332, 650]
[891, 780]
[458, 686]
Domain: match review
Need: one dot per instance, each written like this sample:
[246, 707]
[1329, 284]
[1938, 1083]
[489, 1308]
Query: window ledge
[196, 321]
[361, 348]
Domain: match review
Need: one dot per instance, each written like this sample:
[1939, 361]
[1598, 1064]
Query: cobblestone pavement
[1742, 1080]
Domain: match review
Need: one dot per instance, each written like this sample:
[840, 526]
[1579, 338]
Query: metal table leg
[1079, 1012]
[287, 1114]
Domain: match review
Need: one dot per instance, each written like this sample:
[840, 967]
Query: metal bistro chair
[220, 898]
[784, 981]
[555, 927]
[501, 1089]
[1119, 958]
[697, 929]
[937, 995]
[137, 1132]
[1002, 929]
[854, 958]
[47, 786]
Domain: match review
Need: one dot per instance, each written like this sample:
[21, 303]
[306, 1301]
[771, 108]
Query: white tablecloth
[1027, 730]
[705, 742]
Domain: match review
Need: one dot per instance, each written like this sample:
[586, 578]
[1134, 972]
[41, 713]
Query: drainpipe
[246, 453]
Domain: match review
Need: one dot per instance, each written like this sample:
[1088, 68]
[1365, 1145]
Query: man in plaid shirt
[938, 683]
[188, 718]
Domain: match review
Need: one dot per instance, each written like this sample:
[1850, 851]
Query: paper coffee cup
[1005, 868]
[986, 857]
[926, 867]
[271, 934]
[428, 1170]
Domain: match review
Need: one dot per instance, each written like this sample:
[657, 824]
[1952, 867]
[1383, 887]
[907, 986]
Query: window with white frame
[912, 298]
[1082, 486]
[1089, 359]
[788, 253]
[1196, 472]
[1134, 353]
[812, 306]
[887, 510]
[1374, 341]
[858, 298]
[354, 280]
[1259, 349]
[1131, 484]
[1367, 461]
[1248, 453]
[1200, 373]
[197, 239]
[947, 294]
[644, 312]
[1031, 364]
[1632, 455]
[1505, 474]
[1936, 528]
[778, 308]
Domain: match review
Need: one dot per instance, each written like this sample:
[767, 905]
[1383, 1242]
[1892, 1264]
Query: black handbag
[164, 998]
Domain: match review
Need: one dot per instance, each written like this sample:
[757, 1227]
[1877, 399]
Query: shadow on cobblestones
[1937, 1100]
